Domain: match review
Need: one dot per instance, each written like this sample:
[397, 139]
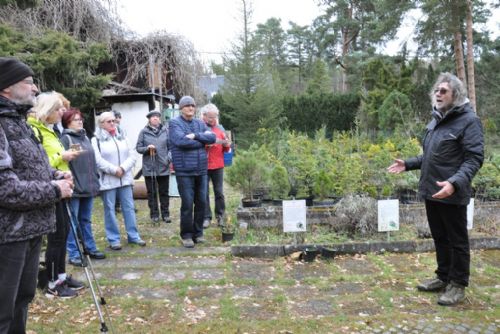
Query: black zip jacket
[453, 151]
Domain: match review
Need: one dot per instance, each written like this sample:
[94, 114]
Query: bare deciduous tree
[173, 54]
[96, 21]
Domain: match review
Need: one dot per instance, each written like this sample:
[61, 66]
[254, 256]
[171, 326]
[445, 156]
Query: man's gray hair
[209, 108]
[458, 90]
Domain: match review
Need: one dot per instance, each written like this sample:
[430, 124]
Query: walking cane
[154, 188]
[86, 264]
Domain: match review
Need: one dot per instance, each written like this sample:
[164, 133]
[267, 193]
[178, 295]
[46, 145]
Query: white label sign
[470, 214]
[294, 216]
[388, 215]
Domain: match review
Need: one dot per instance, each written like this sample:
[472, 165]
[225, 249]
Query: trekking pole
[154, 188]
[86, 264]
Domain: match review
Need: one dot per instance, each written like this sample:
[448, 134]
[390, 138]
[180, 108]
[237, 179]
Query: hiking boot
[73, 284]
[453, 295]
[77, 262]
[199, 240]
[97, 255]
[432, 285]
[116, 247]
[188, 243]
[155, 220]
[220, 221]
[167, 219]
[138, 242]
[61, 290]
[206, 223]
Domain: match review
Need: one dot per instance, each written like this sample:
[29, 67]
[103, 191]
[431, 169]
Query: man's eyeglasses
[28, 82]
[110, 121]
[441, 91]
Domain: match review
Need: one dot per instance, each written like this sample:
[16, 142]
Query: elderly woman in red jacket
[215, 152]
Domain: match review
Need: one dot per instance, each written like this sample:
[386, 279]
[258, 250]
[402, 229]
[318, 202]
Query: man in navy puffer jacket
[188, 137]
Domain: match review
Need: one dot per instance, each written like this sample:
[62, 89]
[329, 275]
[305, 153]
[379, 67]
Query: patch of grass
[387, 269]
[383, 297]
[228, 311]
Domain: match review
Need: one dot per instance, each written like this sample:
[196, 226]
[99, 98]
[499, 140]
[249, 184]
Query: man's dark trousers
[193, 190]
[217, 177]
[448, 224]
[18, 275]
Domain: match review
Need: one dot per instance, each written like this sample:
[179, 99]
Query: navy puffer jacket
[189, 155]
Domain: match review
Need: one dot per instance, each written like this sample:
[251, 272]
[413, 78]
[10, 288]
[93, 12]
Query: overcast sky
[212, 24]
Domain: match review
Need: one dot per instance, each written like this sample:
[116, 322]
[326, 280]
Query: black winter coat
[27, 193]
[452, 151]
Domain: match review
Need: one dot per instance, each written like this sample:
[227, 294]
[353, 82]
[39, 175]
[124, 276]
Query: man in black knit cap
[29, 187]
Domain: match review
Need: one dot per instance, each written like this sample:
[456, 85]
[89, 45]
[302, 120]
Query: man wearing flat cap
[152, 143]
[188, 137]
[29, 188]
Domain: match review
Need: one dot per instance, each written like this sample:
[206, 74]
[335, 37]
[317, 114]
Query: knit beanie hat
[12, 71]
[186, 101]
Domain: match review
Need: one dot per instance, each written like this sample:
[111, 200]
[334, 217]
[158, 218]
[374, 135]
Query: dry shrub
[358, 213]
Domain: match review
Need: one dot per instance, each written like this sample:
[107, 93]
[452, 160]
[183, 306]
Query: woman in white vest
[115, 160]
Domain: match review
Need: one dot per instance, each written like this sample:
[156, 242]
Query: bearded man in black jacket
[453, 152]
[29, 188]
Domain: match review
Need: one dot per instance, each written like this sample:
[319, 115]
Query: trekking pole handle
[152, 150]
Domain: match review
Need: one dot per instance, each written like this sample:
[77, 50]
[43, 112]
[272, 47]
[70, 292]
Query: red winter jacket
[216, 151]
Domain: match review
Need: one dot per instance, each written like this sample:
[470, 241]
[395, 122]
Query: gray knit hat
[186, 101]
[12, 71]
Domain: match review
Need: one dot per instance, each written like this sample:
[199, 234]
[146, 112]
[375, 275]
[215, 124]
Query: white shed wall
[133, 121]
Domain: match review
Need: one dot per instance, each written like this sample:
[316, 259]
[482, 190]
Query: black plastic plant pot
[309, 254]
[227, 236]
[277, 202]
[309, 200]
[328, 253]
[251, 203]
[323, 203]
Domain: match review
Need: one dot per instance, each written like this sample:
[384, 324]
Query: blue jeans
[126, 198]
[82, 210]
[193, 190]
[217, 177]
[18, 275]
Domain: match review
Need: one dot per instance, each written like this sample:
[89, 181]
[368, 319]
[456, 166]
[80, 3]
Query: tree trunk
[346, 42]
[459, 56]
[470, 58]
